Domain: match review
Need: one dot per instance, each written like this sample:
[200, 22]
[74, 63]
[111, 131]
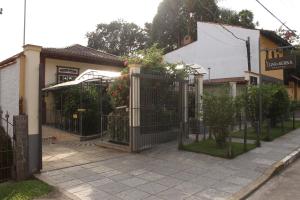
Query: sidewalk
[166, 173]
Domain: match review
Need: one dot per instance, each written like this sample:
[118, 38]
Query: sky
[60, 23]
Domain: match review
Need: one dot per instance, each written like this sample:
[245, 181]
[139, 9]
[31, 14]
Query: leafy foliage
[119, 91]
[6, 154]
[243, 18]
[150, 59]
[118, 38]
[279, 106]
[219, 113]
[275, 103]
[173, 21]
[90, 98]
[289, 35]
[177, 18]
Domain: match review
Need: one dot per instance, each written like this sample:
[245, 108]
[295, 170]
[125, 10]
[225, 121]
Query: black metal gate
[6, 147]
[161, 105]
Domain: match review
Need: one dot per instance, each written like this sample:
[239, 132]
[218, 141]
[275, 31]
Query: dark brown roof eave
[275, 38]
[79, 58]
[11, 59]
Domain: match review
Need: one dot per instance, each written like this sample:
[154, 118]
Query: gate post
[21, 147]
[134, 106]
[198, 96]
[233, 89]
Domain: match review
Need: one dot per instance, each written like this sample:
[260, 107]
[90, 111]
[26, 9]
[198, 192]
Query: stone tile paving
[165, 173]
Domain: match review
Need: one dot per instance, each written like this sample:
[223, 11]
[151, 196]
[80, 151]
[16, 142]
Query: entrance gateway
[159, 107]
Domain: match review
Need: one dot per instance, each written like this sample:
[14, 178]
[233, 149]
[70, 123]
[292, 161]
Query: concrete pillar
[21, 147]
[31, 104]
[134, 106]
[233, 90]
[198, 96]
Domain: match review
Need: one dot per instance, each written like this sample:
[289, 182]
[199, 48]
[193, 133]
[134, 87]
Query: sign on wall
[286, 62]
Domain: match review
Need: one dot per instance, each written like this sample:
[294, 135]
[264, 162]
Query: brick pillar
[21, 147]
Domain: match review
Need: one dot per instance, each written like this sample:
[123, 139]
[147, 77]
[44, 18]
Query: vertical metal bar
[293, 119]
[131, 114]
[24, 31]
[81, 113]
[7, 116]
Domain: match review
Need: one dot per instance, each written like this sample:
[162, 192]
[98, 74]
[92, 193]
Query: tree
[289, 36]
[177, 18]
[219, 114]
[243, 18]
[228, 16]
[246, 19]
[118, 38]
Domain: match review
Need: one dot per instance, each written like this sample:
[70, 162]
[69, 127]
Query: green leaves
[177, 18]
[118, 38]
[275, 102]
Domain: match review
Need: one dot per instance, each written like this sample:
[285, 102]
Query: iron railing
[117, 128]
[160, 109]
[6, 147]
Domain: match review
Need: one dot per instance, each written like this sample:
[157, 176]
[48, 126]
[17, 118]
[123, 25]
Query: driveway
[160, 173]
[67, 151]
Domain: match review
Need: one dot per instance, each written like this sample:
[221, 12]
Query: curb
[275, 169]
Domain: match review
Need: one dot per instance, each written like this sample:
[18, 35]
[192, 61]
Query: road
[285, 186]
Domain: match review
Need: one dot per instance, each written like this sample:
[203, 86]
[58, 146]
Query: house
[223, 53]
[24, 75]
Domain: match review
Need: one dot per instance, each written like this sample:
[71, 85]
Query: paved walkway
[166, 173]
[284, 186]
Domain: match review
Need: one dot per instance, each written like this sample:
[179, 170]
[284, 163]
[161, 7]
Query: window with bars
[65, 74]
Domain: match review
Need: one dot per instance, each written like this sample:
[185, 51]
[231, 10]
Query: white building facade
[218, 49]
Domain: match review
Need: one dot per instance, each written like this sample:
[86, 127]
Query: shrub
[275, 103]
[119, 91]
[279, 106]
[219, 113]
[91, 101]
[118, 126]
[6, 154]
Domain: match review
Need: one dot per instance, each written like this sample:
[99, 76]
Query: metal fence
[160, 109]
[6, 147]
[116, 127]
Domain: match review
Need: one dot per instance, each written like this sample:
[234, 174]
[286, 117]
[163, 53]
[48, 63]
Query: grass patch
[210, 147]
[274, 132]
[24, 190]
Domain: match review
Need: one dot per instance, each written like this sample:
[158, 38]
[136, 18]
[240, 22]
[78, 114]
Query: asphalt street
[285, 186]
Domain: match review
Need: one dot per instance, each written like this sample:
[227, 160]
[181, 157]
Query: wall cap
[31, 47]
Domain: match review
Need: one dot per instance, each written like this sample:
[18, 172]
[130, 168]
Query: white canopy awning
[198, 69]
[87, 76]
[193, 69]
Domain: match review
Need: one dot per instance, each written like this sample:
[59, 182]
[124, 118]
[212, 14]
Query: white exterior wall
[9, 89]
[218, 49]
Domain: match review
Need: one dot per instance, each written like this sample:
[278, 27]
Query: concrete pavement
[163, 172]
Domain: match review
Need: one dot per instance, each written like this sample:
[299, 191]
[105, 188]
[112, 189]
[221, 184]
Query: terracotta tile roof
[78, 52]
